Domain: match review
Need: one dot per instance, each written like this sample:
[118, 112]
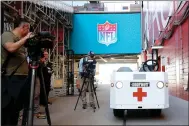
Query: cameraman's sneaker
[93, 105]
[36, 109]
[84, 106]
[49, 103]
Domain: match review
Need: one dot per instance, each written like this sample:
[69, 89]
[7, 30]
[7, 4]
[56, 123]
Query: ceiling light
[157, 47]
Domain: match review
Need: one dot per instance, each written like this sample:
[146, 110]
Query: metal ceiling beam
[113, 57]
[102, 59]
[126, 61]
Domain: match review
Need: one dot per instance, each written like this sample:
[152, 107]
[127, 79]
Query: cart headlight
[166, 84]
[119, 85]
[160, 84]
[112, 84]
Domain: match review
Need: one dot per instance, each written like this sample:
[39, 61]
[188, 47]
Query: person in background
[15, 89]
[47, 72]
[82, 68]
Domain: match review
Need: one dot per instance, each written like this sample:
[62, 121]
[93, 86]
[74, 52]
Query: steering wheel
[152, 65]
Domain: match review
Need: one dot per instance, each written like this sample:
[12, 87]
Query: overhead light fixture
[157, 47]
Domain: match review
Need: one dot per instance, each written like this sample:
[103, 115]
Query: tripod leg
[24, 116]
[95, 92]
[80, 93]
[87, 86]
[32, 90]
[46, 100]
[91, 96]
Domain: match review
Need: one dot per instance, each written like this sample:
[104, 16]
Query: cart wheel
[155, 112]
[118, 112]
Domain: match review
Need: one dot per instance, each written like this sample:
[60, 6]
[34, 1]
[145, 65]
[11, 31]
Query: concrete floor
[62, 113]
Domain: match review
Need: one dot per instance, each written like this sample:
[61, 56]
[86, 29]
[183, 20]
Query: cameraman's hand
[29, 35]
[42, 60]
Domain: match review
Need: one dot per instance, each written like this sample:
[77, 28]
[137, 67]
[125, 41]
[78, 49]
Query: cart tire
[118, 112]
[156, 112]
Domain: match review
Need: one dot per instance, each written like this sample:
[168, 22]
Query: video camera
[35, 44]
[90, 66]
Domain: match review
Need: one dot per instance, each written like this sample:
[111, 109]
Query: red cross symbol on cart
[139, 94]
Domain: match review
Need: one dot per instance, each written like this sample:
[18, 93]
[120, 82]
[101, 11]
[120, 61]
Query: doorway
[105, 70]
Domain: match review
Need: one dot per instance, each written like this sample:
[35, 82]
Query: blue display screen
[106, 33]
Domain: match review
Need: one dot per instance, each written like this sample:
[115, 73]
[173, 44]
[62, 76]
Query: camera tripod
[91, 81]
[28, 108]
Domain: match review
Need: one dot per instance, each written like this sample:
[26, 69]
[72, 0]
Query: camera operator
[13, 58]
[82, 68]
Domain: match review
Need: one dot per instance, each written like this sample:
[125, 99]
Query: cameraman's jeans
[36, 97]
[14, 93]
[84, 91]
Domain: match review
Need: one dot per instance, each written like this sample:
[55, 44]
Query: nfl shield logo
[107, 33]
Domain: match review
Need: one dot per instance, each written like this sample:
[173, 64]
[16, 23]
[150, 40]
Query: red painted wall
[60, 39]
[176, 48]
[155, 19]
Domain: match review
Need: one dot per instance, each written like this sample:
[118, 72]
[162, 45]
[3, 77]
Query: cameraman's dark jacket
[47, 73]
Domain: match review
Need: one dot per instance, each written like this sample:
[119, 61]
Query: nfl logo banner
[107, 33]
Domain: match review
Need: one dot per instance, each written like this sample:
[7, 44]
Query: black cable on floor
[125, 118]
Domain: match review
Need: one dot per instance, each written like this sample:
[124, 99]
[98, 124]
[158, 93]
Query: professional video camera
[90, 66]
[35, 44]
